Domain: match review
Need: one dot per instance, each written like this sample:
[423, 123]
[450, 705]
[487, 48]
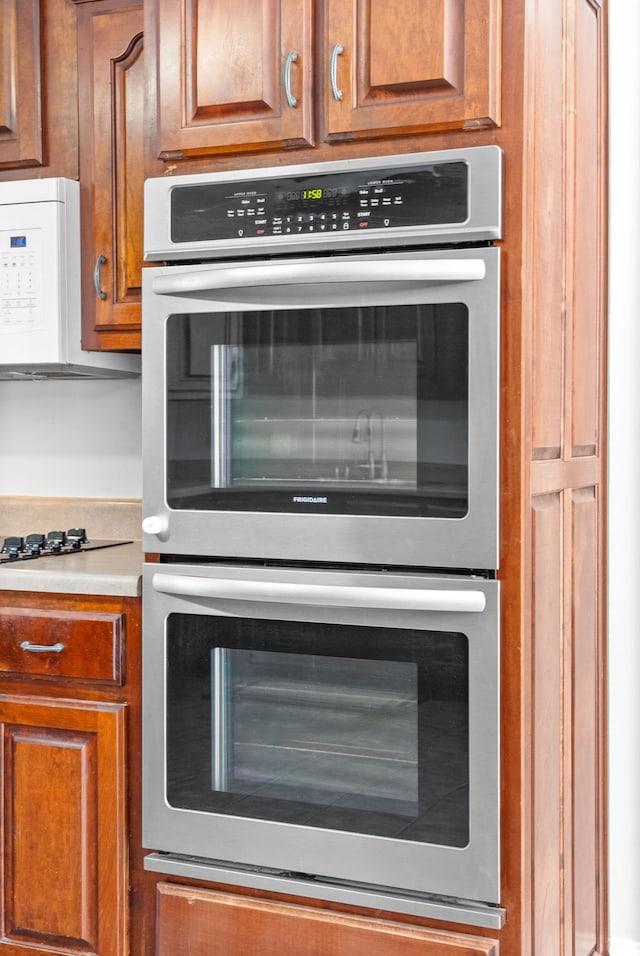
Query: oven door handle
[324, 595]
[320, 272]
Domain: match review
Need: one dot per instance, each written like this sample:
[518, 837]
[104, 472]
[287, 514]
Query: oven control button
[55, 541]
[13, 546]
[34, 543]
[155, 524]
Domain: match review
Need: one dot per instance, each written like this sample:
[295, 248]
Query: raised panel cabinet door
[111, 98]
[20, 84]
[64, 861]
[232, 75]
[410, 66]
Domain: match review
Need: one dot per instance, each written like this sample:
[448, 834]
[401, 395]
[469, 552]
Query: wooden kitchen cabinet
[409, 66]
[221, 71]
[64, 866]
[111, 104]
[21, 141]
[38, 90]
[207, 923]
[238, 75]
[545, 105]
[69, 724]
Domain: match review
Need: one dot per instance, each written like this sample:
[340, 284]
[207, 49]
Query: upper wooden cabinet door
[111, 97]
[410, 66]
[20, 85]
[232, 75]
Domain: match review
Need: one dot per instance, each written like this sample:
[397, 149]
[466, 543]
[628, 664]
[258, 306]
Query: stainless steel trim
[484, 221]
[100, 261]
[219, 423]
[220, 717]
[470, 873]
[42, 648]
[471, 542]
[390, 269]
[333, 71]
[404, 599]
[472, 914]
[292, 101]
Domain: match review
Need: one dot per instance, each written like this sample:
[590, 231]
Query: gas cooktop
[51, 544]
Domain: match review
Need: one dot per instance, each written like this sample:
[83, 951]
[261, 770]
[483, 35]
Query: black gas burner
[51, 544]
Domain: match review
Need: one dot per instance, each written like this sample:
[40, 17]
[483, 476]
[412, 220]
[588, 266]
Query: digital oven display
[426, 195]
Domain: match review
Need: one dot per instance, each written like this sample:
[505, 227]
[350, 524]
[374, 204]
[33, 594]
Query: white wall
[70, 439]
[624, 479]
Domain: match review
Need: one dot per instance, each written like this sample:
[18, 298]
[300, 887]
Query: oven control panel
[439, 197]
[383, 199]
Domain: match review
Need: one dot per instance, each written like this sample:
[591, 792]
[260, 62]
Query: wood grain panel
[208, 923]
[64, 865]
[41, 833]
[545, 251]
[411, 65]
[547, 729]
[588, 305]
[21, 133]
[83, 646]
[128, 174]
[431, 58]
[586, 764]
[112, 170]
[230, 76]
[220, 74]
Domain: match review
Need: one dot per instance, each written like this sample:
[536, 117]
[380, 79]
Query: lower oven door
[338, 724]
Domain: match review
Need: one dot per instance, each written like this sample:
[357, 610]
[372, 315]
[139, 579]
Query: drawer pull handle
[42, 648]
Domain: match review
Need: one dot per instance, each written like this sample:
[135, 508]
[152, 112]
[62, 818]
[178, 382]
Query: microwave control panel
[20, 287]
[37, 271]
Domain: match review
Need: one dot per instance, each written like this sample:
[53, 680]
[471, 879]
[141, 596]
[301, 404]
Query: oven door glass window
[340, 727]
[365, 409]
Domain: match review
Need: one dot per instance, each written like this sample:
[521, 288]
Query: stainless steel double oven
[321, 646]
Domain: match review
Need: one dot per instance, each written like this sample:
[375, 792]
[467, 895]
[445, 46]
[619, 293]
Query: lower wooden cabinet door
[64, 865]
[204, 922]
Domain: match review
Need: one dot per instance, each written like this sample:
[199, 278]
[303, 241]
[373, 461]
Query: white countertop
[115, 571]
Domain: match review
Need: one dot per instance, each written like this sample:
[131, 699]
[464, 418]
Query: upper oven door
[357, 395]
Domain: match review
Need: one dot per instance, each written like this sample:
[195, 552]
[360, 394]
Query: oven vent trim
[457, 911]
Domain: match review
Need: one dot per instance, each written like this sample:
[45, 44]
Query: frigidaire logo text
[310, 499]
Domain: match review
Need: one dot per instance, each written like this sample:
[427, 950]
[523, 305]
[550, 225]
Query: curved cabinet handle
[42, 648]
[333, 71]
[100, 261]
[321, 595]
[292, 100]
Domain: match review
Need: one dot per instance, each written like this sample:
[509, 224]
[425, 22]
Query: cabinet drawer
[206, 922]
[83, 645]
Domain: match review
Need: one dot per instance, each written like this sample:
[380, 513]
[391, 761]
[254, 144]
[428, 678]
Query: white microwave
[40, 276]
